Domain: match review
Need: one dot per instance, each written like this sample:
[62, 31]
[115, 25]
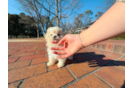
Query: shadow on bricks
[96, 60]
[123, 86]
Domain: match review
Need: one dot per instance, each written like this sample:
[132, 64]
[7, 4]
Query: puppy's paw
[49, 64]
[60, 65]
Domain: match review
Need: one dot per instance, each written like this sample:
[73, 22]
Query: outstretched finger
[59, 53]
[63, 56]
[54, 42]
[61, 42]
[57, 48]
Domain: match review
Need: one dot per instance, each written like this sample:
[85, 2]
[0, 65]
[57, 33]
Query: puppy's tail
[70, 58]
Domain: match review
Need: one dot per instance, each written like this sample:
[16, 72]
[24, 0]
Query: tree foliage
[21, 25]
[83, 19]
[99, 14]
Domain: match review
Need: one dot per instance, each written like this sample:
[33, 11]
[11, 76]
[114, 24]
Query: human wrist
[79, 41]
[84, 38]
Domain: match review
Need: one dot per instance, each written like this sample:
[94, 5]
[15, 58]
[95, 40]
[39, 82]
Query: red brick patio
[101, 65]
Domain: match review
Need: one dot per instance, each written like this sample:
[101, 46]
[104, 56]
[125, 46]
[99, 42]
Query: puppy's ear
[47, 35]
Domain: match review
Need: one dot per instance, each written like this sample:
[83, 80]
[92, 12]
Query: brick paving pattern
[101, 65]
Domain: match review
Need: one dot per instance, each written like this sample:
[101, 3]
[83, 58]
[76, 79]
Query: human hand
[71, 44]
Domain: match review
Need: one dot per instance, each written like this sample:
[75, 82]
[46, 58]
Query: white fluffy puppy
[54, 34]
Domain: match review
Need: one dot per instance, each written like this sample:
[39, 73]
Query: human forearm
[111, 24]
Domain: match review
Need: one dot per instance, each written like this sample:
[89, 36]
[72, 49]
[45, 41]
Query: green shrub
[41, 37]
[120, 37]
[20, 36]
[9, 36]
[27, 36]
[33, 37]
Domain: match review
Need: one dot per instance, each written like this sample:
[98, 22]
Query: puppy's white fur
[54, 34]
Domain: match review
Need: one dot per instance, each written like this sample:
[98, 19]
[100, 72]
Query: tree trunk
[57, 22]
[37, 30]
[48, 20]
[42, 30]
[47, 25]
[16, 36]
[60, 10]
[56, 2]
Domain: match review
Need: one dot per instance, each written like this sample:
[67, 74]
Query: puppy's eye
[58, 34]
[50, 34]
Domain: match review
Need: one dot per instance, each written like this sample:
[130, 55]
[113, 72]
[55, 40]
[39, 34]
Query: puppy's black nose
[55, 37]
